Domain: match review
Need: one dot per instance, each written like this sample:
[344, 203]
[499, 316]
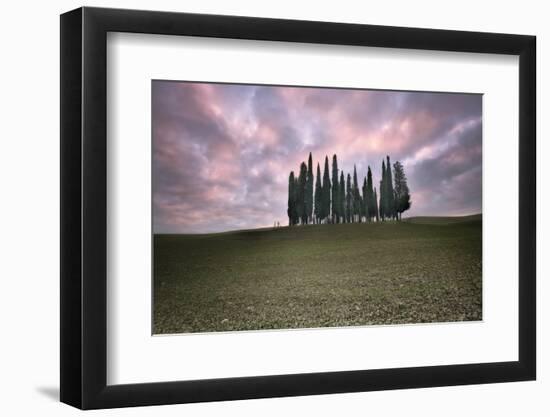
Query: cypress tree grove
[402, 195]
[326, 191]
[291, 200]
[309, 190]
[318, 196]
[302, 187]
[371, 198]
[342, 198]
[335, 187]
[390, 207]
[349, 200]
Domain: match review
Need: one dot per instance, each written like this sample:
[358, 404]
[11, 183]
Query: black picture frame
[84, 207]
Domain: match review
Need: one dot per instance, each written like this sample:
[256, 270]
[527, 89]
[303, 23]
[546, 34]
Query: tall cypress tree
[371, 199]
[382, 188]
[296, 200]
[390, 207]
[309, 190]
[326, 191]
[364, 201]
[342, 198]
[356, 197]
[318, 196]
[376, 213]
[402, 195]
[335, 187]
[349, 200]
[302, 193]
[291, 200]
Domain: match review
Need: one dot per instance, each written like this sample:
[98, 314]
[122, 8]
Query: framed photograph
[259, 208]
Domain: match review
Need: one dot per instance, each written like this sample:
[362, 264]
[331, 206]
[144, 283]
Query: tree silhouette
[309, 190]
[371, 198]
[349, 200]
[390, 204]
[291, 210]
[342, 198]
[335, 188]
[296, 201]
[302, 186]
[356, 198]
[382, 188]
[402, 195]
[326, 191]
[318, 196]
[364, 205]
[376, 213]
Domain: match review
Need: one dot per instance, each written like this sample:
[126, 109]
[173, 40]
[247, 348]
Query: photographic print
[286, 207]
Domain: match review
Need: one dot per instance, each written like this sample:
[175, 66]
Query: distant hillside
[443, 220]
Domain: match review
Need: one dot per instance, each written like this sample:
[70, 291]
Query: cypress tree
[356, 197]
[342, 198]
[302, 190]
[402, 195]
[301, 194]
[296, 201]
[326, 191]
[349, 201]
[309, 190]
[376, 214]
[382, 204]
[364, 201]
[335, 187]
[291, 199]
[371, 199]
[390, 205]
[318, 196]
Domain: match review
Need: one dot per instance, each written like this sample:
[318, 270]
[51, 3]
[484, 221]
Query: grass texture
[420, 270]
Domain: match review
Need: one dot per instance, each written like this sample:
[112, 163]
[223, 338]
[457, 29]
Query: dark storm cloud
[450, 182]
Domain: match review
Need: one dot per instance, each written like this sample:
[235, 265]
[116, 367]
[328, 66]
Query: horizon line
[286, 225]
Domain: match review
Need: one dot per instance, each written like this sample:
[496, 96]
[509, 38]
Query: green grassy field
[415, 271]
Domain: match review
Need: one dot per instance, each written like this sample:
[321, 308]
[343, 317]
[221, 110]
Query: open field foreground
[415, 271]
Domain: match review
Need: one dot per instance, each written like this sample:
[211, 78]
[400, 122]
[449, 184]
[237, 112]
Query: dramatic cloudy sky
[222, 153]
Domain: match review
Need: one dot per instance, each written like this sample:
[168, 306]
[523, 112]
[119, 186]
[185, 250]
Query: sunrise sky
[222, 153]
